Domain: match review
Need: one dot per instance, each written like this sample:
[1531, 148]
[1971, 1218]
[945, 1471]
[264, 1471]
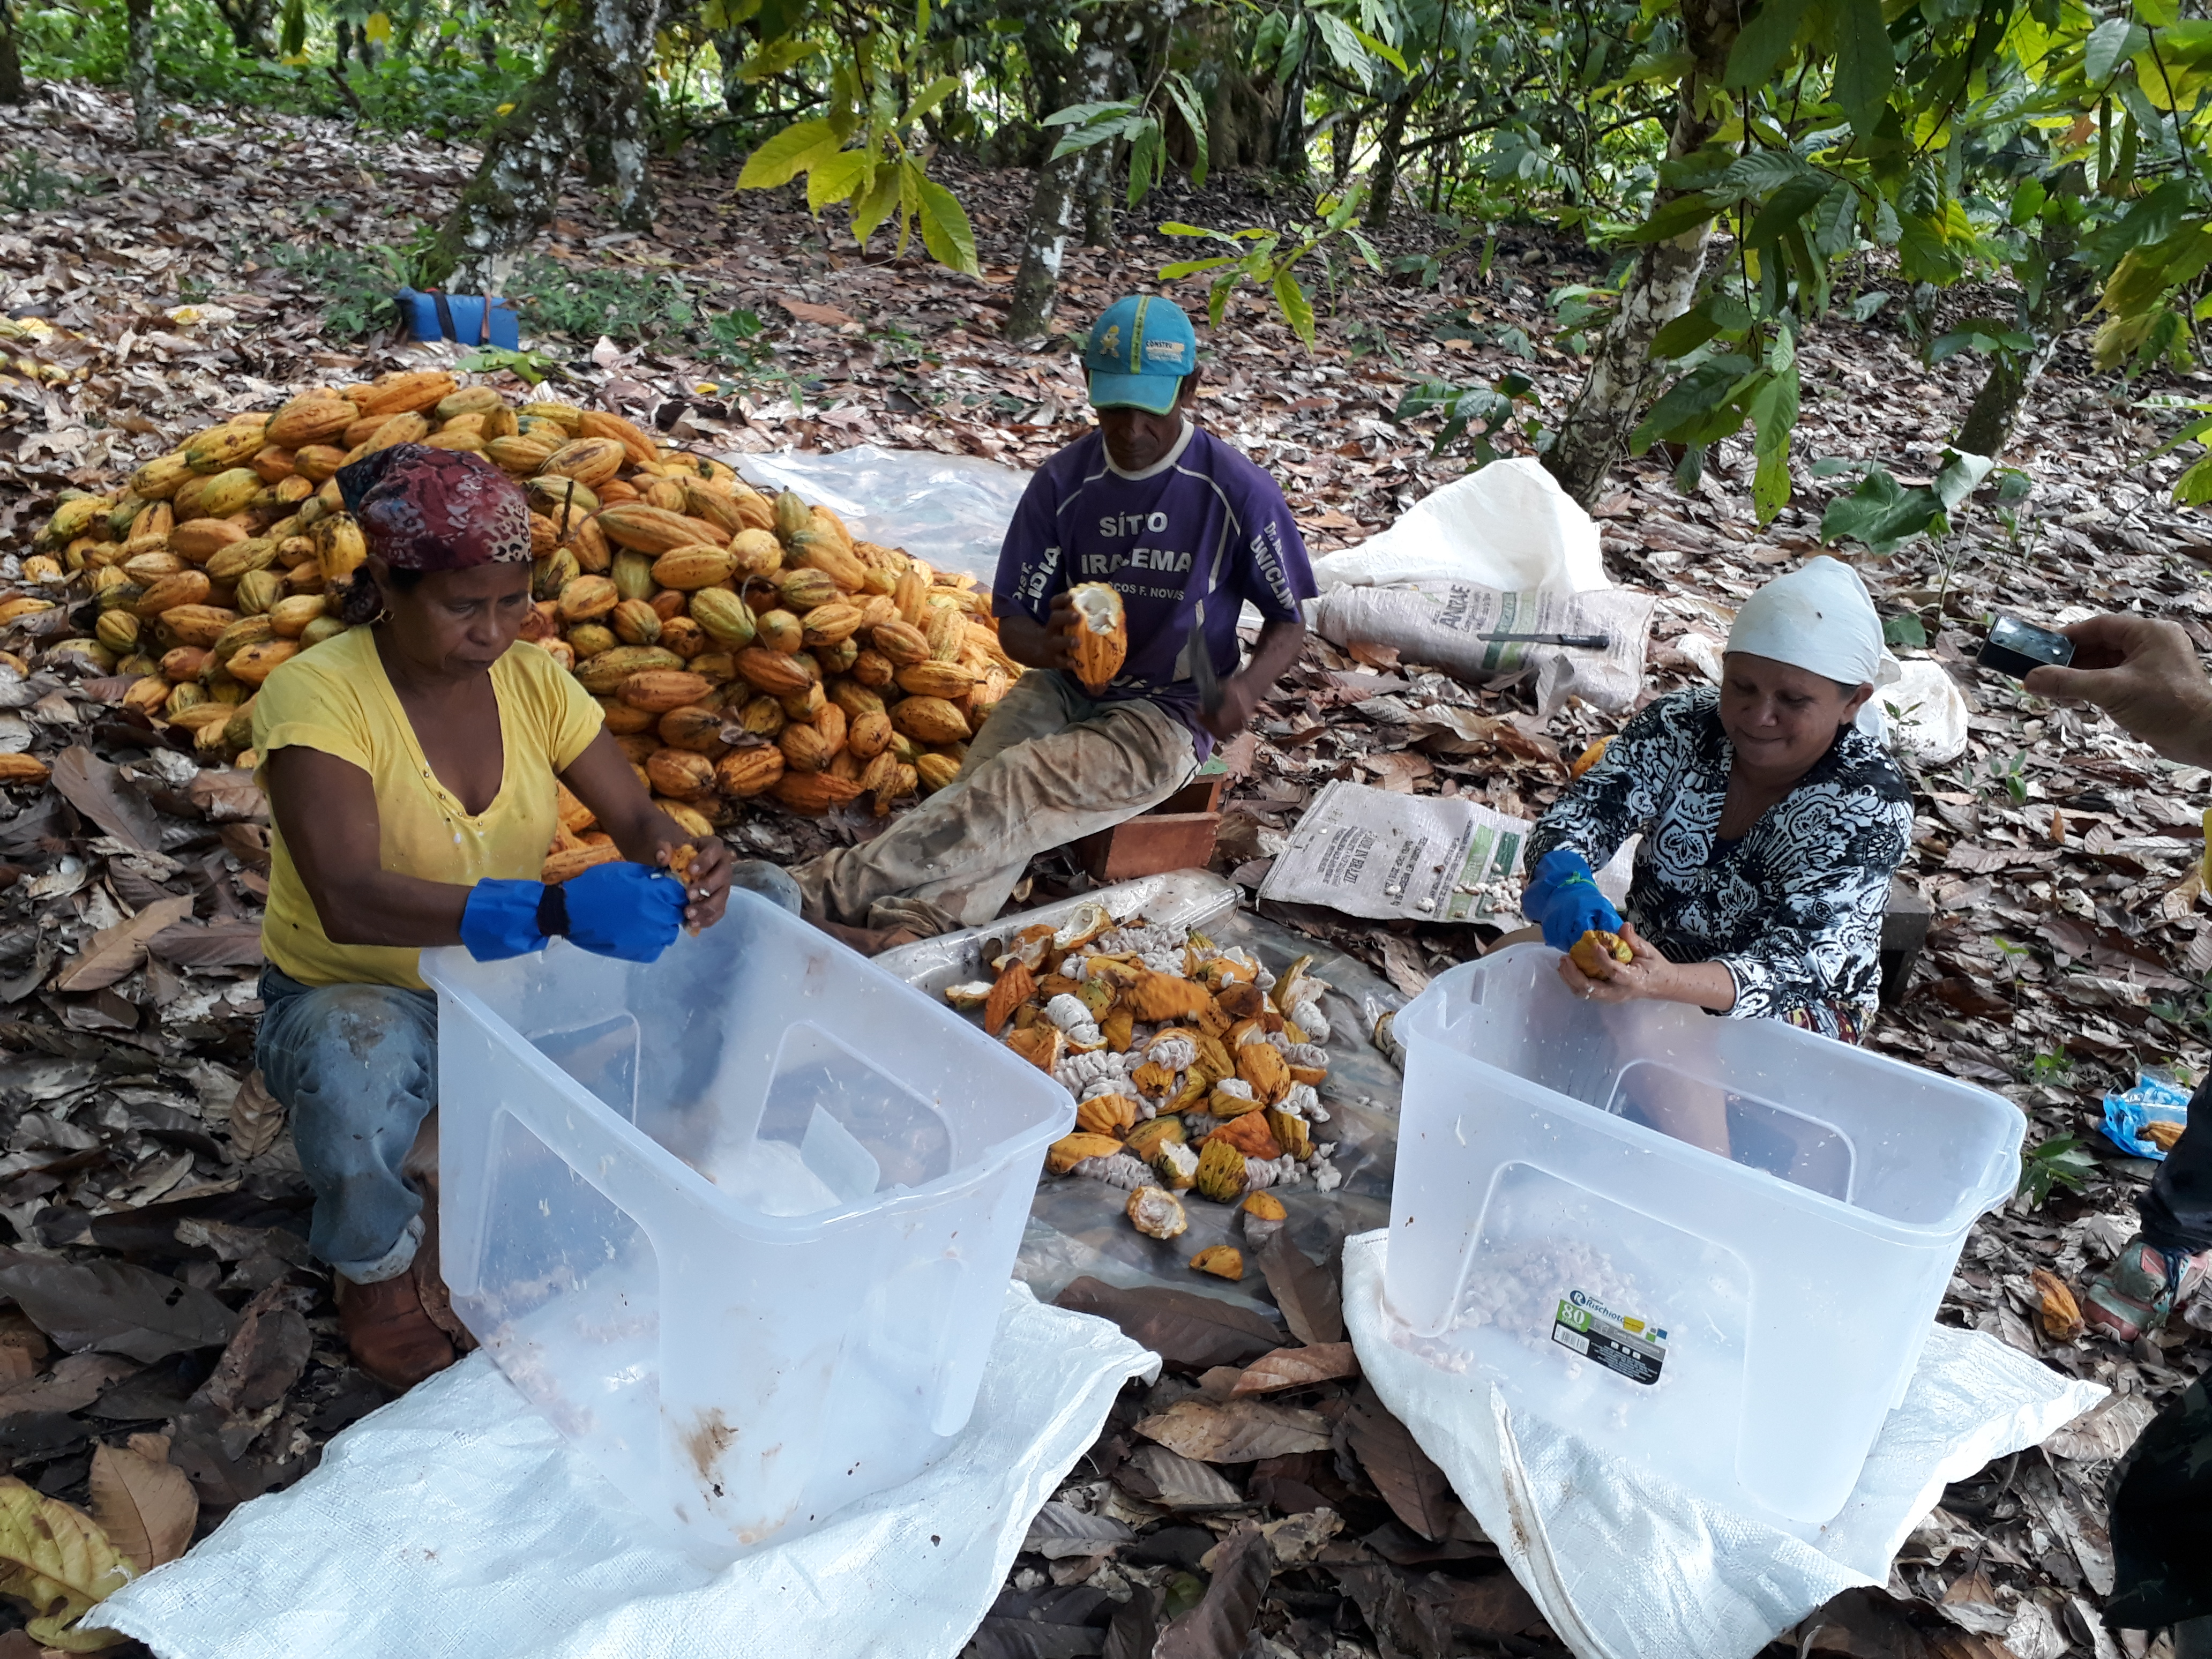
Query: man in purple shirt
[1188, 531]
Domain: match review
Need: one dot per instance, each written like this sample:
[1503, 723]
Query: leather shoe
[388, 1332]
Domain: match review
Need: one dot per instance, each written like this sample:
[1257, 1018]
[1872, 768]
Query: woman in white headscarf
[1772, 822]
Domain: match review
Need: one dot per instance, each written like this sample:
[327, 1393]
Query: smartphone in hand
[2016, 648]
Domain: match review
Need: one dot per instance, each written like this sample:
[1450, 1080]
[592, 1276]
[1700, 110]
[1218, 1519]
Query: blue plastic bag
[2153, 1100]
[431, 314]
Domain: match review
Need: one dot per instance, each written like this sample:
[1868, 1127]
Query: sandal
[2144, 1285]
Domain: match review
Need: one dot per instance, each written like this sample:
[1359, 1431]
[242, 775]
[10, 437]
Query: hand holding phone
[2019, 648]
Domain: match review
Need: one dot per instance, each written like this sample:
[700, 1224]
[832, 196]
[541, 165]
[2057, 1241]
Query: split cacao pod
[1100, 640]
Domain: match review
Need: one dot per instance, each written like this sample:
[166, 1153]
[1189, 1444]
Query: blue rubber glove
[1563, 899]
[500, 919]
[623, 910]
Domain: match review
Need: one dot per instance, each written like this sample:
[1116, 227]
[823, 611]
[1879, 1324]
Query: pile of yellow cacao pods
[742, 646]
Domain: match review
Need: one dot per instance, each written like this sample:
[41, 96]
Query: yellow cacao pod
[793, 515]
[402, 391]
[930, 719]
[584, 598]
[117, 630]
[218, 496]
[256, 663]
[221, 446]
[258, 591]
[773, 671]
[148, 567]
[680, 773]
[746, 772]
[725, 617]
[811, 549]
[407, 428]
[801, 590]
[469, 400]
[563, 501]
[854, 698]
[517, 455]
[814, 793]
[290, 618]
[762, 716]
[688, 568]
[804, 748]
[869, 734]
[23, 768]
[935, 771]
[160, 478]
[188, 587]
[831, 624]
[638, 449]
[339, 548]
[590, 461]
[901, 643]
[935, 679]
[235, 638]
[657, 690]
[695, 728]
[317, 463]
[228, 564]
[757, 553]
[780, 631]
[323, 628]
[605, 673]
[636, 623]
[649, 529]
[312, 417]
[568, 416]
[715, 506]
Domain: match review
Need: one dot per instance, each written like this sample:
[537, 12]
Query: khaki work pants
[1050, 767]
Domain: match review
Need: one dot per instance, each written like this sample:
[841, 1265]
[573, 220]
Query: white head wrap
[1818, 617]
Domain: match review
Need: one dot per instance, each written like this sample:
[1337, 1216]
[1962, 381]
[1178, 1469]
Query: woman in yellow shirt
[411, 766]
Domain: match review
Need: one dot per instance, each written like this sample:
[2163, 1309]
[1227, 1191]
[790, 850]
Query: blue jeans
[357, 1066]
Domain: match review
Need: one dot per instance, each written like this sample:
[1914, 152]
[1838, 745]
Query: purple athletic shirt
[1202, 528]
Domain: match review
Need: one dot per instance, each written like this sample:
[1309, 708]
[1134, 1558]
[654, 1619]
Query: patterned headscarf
[436, 509]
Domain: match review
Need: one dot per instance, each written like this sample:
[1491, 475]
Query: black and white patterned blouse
[1793, 909]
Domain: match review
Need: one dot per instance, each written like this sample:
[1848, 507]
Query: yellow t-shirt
[337, 699]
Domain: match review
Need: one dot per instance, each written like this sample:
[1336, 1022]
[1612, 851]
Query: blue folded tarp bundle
[471, 319]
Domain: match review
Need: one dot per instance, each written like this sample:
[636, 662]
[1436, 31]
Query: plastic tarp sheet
[456, 1523]
[1078, 1226]
[1624, 1565]
[950, 510]
[1508, 526]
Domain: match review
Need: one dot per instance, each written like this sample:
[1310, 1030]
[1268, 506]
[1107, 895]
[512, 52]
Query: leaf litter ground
[168, 1350]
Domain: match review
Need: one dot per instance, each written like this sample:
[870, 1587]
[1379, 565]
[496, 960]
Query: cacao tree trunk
[138, 72]
[1057, 198]
[2066, 288]
[518, 187]
[12, 89]
[618, 141]
[1290, 157]
[1341, 144]
[1660, 289]
[1382, 182]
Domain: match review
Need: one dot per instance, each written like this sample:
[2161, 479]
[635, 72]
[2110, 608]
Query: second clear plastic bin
[1738, 1315]
[739, 1222]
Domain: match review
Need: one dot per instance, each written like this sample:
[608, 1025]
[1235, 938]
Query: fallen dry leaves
[141, 1159]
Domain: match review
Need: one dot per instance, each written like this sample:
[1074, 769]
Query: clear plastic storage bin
[1739, 1324]
[740, 1222]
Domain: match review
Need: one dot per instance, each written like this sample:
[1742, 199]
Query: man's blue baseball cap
[1140, 349]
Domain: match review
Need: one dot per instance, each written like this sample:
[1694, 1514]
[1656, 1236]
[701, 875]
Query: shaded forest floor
[157, 292]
